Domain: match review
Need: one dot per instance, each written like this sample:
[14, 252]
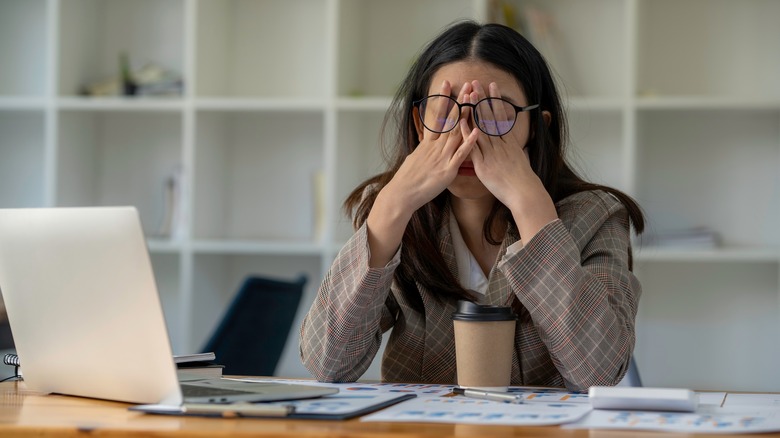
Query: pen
[504, 397]
[240, 409]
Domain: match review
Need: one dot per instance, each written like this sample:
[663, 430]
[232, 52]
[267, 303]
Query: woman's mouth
[467, 169]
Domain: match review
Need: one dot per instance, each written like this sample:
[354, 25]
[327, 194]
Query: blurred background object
[271, 113]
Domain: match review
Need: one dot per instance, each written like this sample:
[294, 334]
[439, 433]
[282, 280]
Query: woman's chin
[468, 187]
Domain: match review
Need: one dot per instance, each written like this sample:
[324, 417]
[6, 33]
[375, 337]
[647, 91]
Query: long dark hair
[506, 49]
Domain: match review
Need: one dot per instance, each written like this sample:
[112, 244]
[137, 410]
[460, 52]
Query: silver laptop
[86, 316]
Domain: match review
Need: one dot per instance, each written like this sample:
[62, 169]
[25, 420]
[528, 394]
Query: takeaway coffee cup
[484, 341]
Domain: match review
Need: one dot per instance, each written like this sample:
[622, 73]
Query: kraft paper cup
[484, 341]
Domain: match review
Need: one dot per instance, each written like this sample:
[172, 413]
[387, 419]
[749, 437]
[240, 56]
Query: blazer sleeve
[575, 280]
[342, 331]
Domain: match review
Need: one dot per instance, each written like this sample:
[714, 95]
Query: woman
[479, 204]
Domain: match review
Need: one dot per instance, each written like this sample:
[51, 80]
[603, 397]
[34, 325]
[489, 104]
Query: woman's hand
[424, 174]
[503, 166]
[433, 165]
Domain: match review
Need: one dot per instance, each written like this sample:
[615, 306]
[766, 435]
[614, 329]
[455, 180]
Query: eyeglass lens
[493, 116]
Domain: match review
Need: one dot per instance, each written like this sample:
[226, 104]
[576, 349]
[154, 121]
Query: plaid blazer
[571, 286]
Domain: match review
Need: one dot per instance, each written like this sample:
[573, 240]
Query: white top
[470, 274]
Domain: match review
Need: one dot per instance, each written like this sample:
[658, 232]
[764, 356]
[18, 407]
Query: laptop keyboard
[207, 391]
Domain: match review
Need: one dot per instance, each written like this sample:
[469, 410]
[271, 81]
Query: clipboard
[341, 406]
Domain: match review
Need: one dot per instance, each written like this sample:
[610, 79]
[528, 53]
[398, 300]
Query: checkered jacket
[571, 286]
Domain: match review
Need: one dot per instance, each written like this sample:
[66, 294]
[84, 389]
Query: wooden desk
[26, 413]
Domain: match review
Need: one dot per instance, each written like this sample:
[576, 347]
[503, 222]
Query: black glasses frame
[473, 106]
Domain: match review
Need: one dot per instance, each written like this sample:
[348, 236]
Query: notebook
[86, 316]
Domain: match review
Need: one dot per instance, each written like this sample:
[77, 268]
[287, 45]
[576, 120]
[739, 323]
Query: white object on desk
[643, 399]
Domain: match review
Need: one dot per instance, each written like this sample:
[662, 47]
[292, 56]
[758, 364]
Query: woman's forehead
[460, 72]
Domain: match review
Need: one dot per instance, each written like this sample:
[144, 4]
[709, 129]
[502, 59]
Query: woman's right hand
[434, 163]
[424, 174]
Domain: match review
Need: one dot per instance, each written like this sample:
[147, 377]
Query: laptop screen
[83, 305]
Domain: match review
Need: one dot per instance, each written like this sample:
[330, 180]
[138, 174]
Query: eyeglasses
[492, 115]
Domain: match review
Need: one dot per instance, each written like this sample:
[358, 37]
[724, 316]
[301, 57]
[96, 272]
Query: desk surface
[27, 413]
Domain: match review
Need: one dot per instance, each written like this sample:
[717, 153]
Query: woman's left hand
[502, 164]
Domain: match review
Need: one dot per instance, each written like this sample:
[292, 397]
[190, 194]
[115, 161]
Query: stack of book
[198, 364]
[688, 238]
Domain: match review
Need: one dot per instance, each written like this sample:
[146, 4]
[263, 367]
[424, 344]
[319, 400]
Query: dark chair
[251, 336]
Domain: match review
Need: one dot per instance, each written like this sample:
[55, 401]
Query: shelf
[152, 104]
[236, 247]
[260, 104]
[697, 103]
[158, 245]
[596, 104]
[726, 254]
[22, 103]
[363, 103]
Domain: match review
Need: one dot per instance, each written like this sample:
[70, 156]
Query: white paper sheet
[711, 398]
[708, 419]
[470, 411]
[757, 400]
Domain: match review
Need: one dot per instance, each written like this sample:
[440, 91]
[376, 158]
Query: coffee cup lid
[468, 311]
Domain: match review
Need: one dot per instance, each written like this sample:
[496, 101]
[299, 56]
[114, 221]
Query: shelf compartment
[119, 158]
[596, 147]
[267, 48]
[378, 40]
[93, 34]
[359, 156]
[708, 48]
[697, 169]
[586, 44]
[167, 275]
[217, 279]
[255, 175]
[22, 159]
[24, 36]
[708, 319]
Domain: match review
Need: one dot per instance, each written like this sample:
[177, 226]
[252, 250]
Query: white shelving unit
[674, 101]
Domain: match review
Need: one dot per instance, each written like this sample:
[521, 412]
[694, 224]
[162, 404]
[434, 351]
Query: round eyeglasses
[492, 115]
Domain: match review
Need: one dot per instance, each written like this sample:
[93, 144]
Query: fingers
[470, 136]
[500, 110]
[436, 115]
[460, 143]
[485, 117]
[494, 118]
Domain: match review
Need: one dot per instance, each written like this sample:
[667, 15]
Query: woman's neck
[471, 215]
